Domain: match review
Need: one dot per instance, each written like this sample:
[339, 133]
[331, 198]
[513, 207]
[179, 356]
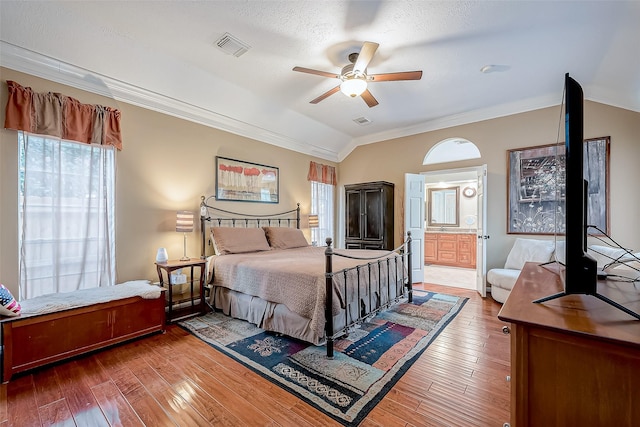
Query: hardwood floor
[176, 379]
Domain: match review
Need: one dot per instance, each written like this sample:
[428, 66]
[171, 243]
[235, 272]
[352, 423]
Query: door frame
[481, 266]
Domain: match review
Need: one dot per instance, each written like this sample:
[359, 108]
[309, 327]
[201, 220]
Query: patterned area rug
[366, 364]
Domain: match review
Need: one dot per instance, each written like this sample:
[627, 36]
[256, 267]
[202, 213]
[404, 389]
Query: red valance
[322, 173]
[54, 114]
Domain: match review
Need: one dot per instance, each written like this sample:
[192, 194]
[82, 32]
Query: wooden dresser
[452, 249]
[575, 360]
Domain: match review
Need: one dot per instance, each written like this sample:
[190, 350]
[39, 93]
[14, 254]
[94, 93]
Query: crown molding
[36, 64]
[503, 110]
[455, 120]
[33, 63]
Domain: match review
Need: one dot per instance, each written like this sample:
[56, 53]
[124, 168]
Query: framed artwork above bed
[241, 181]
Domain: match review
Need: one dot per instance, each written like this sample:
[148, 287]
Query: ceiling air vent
[231, 45]
[362, 121]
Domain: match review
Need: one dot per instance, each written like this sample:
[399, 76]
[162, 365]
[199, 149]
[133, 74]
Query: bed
[264, 271]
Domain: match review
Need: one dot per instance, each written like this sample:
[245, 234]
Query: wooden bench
[31, 341]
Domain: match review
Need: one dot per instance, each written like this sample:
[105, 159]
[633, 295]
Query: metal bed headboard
[237, 219]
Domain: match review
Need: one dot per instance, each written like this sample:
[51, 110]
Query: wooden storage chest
[33, 341]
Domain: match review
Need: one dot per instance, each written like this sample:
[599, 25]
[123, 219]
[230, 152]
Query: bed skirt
[272, 316]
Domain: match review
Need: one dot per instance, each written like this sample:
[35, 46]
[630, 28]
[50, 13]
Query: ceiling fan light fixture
[354, 78]
[353, 87]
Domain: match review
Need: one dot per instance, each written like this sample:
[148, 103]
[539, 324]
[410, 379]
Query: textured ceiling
[163, 55]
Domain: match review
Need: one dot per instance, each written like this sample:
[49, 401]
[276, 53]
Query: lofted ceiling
[163, 55]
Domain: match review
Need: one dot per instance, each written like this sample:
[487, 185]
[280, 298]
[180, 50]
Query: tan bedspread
[296, 278]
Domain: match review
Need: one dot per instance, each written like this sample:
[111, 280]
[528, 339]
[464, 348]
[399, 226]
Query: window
[322, 205]
[65, 215]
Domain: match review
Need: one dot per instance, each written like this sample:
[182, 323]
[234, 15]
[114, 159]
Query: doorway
[423, 247]
[450, 257]
[457, 277]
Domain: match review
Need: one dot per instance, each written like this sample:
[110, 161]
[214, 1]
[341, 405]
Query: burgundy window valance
[54, 114]
[322, 173]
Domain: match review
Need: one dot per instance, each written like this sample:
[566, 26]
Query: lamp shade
[184, 222]
[353, 87]
[313, 221]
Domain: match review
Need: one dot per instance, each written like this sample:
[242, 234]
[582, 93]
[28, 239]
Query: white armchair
[502, 280]
[616, 261]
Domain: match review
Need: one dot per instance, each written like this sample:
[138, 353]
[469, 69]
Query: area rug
[366, 364]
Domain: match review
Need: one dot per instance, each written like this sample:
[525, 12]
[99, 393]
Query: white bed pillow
[229, 240]
[285, 237]
[529, 250]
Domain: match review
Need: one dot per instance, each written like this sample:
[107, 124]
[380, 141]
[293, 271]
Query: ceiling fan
[355, 78]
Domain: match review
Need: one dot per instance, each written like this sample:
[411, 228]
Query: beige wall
[390, 160]
[166, 165]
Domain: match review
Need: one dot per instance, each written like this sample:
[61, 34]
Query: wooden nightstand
[183, 300]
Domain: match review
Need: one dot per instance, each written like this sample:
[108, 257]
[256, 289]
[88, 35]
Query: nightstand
[182, 299]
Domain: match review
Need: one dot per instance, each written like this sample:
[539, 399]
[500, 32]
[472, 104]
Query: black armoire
[369, 215]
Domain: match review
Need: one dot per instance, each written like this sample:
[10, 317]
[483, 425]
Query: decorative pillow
[285, 237]
[8, 304]
[529, 250]
[229, 240]
[213, 242]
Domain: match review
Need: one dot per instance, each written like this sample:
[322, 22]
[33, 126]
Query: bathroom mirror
[443, 207]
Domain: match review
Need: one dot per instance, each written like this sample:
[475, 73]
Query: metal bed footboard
[402, 286]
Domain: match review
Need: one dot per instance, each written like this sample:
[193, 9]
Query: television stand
[574, 360]
[597, 295]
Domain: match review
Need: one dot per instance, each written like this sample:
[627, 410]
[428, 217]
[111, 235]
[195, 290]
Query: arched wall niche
[451, 150]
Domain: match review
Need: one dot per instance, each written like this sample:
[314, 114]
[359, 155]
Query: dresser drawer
[447, 256]
[447, 237]
[446, 245]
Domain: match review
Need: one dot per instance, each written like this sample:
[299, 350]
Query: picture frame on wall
[240, 181]
[536, 185]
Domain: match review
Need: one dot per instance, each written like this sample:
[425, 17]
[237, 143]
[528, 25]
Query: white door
[414, 206]
[481, 262]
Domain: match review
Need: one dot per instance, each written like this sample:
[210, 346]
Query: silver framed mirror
[444, 206]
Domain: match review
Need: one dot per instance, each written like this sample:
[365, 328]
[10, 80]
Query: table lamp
[184, 224]
[313, 224]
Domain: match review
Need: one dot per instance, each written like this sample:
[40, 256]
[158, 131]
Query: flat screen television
[580, 272]
[580, 267]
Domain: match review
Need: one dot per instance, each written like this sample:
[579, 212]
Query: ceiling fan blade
[365, 56]
[369, 99]
[387, 77]
[325, 95]
[317, 72]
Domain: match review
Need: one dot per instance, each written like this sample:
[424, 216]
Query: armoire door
[373, 226]
[354, 215]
